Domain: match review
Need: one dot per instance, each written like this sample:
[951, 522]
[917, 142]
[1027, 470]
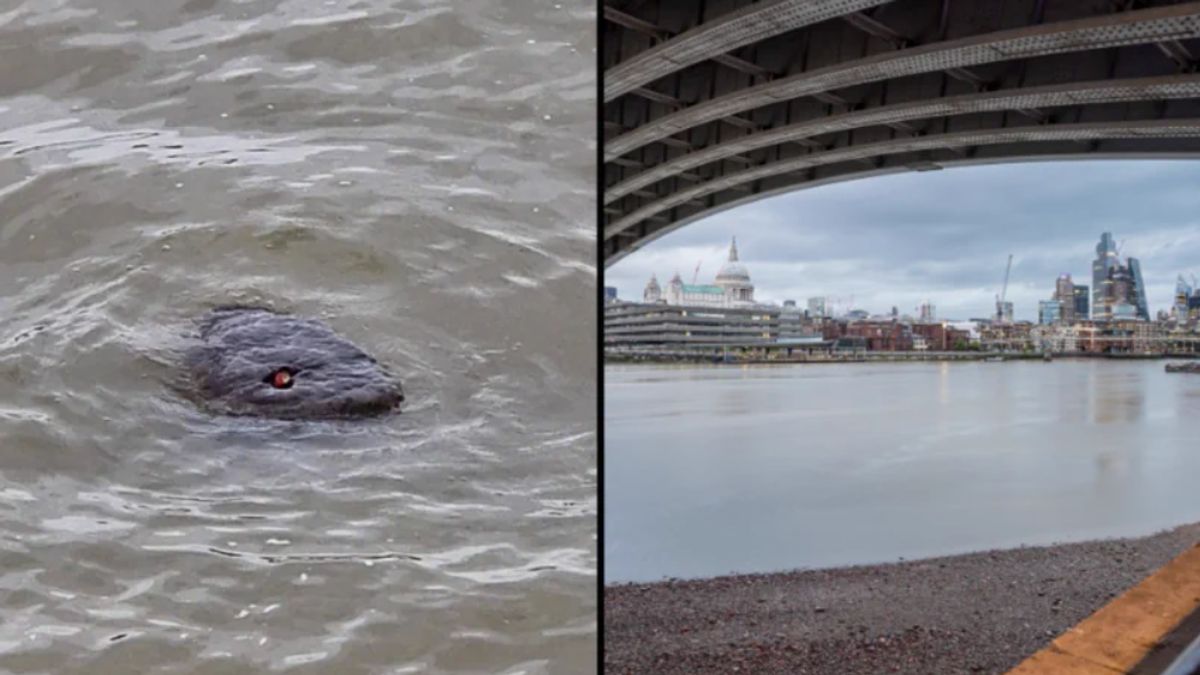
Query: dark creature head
[254, 361]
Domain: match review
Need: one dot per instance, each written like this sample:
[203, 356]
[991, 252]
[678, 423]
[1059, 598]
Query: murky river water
[418, 174]
[716, 470]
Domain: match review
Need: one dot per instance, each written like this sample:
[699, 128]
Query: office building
[1138, 293]
[1050, 312]
[816, 308]
[1065, 293]
[1183, 291]
[1081, 302]
[793, 326]
[1117, 290]
[1005, 312]
[661, 325]
[1106, 259]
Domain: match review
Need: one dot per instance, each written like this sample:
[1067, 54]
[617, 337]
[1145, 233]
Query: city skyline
[903, 244]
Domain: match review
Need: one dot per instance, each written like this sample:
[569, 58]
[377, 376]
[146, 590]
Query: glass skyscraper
[1138, 295]
[1115, 285]
[1183, 291]
[1106, 259]
[1064, 293]
[1049, 311]
[1081, 301]
[1072, 299]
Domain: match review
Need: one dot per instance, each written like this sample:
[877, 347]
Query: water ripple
[417, 173]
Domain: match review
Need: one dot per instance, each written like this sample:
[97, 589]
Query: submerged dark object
[254, 361]
[1187, 367]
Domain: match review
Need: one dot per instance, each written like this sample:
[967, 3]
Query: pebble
[979, 613]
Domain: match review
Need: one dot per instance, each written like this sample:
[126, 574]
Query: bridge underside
[716, 103]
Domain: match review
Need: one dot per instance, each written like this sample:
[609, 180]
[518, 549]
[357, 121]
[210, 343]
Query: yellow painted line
[1122, 633]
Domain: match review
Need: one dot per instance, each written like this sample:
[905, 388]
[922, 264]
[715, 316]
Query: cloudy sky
[945, 236]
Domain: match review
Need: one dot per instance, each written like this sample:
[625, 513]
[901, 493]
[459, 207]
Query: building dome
[733, 272]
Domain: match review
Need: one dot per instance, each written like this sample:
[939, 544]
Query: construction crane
[696, 274]
[1000, 318]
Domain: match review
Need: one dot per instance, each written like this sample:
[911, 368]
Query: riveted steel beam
[1146, 26]
[1132, 90]
[1175, 128]
[750, 24]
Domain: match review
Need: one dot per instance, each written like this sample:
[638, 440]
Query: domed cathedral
[735, 279]
[731, 288]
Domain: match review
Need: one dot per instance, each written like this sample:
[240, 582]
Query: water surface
[711, 470]
[418, 174]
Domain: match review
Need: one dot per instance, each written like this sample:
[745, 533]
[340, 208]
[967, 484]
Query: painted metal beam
[1018, 100]
[1175, 128]
[745, 26]
[1146, 26]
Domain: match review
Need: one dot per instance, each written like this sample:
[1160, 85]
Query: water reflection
[1119, 396]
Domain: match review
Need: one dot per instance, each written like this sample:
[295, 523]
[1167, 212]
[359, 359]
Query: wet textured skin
[241, 348]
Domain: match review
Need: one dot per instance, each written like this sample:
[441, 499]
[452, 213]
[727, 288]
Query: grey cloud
[944, 236]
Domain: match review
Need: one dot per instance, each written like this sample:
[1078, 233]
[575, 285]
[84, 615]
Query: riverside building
[1068, 304]
[629, 325]
[681, 317]
[731, 288]
[1081, 302]
[1051, 312]
[1064, 295]
[816, 308]
[1183, 293]
[794, 326]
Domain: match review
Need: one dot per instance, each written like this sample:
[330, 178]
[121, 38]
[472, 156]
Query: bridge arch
[712, 105]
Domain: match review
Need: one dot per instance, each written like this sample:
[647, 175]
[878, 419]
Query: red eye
[282, 379]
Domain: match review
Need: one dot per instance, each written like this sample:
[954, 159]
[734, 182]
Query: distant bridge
[714, 103]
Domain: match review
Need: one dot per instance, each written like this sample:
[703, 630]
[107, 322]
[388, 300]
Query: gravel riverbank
[974, 613]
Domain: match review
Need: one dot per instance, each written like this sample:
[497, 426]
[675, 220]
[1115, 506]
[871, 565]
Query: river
[711, 470]
[418, 174]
